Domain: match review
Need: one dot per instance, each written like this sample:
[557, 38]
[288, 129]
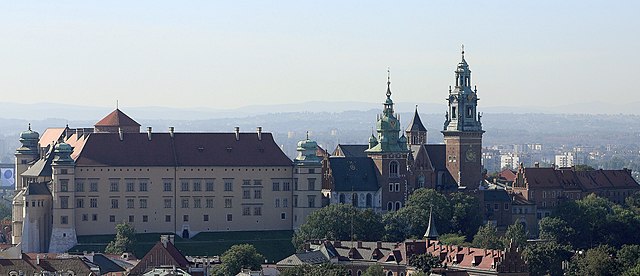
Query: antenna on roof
[117, 105]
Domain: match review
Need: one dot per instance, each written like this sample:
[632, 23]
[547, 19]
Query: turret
[307, 177]
[26, 153]
[388, 128]
[63, 234]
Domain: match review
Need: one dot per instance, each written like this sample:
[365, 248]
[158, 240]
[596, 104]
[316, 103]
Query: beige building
[75, 182]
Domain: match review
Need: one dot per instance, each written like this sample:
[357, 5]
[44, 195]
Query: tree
[374, 270]
[452, 239]
[466, 215]
[516, 234]
[5, 212]
[412, 220]
[556, 229]
[487, 237]
[124, 241]
[236, 258]
[326, 269]
[545, 258]
[595, 261]
[424, 262]
[629, 256]
[334, 222]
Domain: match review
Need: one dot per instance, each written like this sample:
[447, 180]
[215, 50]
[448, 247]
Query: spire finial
[29, 126]
[462, 51]
[117, 105]
[307, 135]
[388, 82]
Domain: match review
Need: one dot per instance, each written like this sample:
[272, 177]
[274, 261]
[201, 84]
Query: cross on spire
[388, 82]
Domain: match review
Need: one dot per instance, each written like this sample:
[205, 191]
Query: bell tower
[463, 130]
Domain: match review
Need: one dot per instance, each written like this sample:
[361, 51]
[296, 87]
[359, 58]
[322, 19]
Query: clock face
[352, 166]
[470, 155]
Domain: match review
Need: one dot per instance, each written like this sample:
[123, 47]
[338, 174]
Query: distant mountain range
[41, 111]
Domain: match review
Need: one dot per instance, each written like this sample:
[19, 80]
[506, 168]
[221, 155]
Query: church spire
[431, 233]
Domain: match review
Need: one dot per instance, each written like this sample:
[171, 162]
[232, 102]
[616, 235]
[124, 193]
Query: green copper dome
[62, 153]
[29, 140]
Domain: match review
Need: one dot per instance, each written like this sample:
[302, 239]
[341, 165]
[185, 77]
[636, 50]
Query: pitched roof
[38, 189]
[496, 195]
[29, 266]
[353, 173]
[162, 253]
[351, 150]
[581, 180]
[51, 135]
[115, 119]
[437, 155]
[416, 123]
[185, 149]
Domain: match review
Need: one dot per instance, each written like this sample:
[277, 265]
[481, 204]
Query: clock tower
[463, 130]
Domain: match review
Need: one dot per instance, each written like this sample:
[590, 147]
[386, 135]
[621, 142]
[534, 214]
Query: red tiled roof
[508, 175]
[115, 119]
[160, 255]
[50, 135]
[470, 257]
[569, 179]
[185, 149]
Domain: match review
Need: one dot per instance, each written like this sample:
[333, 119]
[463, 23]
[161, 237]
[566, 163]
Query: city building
[84, 181]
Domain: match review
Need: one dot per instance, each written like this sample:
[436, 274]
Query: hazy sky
[227, 54]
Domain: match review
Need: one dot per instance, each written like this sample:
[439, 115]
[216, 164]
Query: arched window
[342, 198]
[389, 273]
[354, 200]
[393, 169]
[398, 205]
[369, 200]
[359, 273]
[389, 206]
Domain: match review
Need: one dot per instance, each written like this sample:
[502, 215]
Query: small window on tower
[453, 112]
[469, 111]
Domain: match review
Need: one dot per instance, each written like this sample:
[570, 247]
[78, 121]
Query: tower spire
[388, 82]
[462, 51]
[431, 233]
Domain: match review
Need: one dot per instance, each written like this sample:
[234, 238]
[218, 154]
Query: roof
[106, 264]
[51, 135]
[42, 167]
[30, 266]
[568, 179]
[351, 150]
[162, 253]
[437, 155]
[416, 123]
[353, 174]
[185, 149]
[496, 195]
[508, 175]
[115, 119]
[38, 189]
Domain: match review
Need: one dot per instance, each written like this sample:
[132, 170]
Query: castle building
[75, 182]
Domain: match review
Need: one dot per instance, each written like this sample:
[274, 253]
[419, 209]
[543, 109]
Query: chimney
[237, 130]
[149, 133]
[259, 129]
[359, 244]
[164, 239]
[536, 164]
[337, 244]
[307, 246]
[172, 239]
[120, 133]
[38, 259]
[378, 244]
[171, 129]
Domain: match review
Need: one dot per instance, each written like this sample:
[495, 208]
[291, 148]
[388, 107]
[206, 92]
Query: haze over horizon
[238, 54]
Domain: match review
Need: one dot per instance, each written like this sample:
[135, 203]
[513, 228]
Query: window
[167, 218]
[257, 211]
[283, 215]
[114, 186]
[93, 186]
[94, 217]
[354, 200]
[397, 187]
[228, 203]
[469, 111]
[112, 218]
[246, 182]
[257, 182]
[114, 203]
[64, 185]
[79, 186]
[246, 194]
[145, 218]
[185, 218]
[246, 211]
[197, 203]
[79, 202]
[285, 202]
[64, 171]
[131, 219]
[184, 186]
[167, 186]
[544, 194]
[393, 169]
[228, 185]
[205, 217]
[341, 197]
[398, 205]
[85, 217]
[312, 184]
[389, 206]
[295, 184]
[185, 203]
[276, 186]
[130, 203]
[257, 194]
[130, 186]
[506, 206]
[496, 206]
[143, 203]
[277, 202]
[229, 217]
[390, 187]
[64, 202]
[295, 201]
[209, 185]
[312, 201]
[196, 186]
[453, 113]
[209, 203]
[167, 203]
[312, 170]
[64, 220]
[369, 201]
[286, 186]
[142, 186]
[93, 202]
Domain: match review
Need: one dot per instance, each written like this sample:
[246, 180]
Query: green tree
[516, 234]
[556, 229]
[424, 262]
[629, 256]
[124, 241]
[236, 258]
[374, 270]
[326, 269]
[466, 216]
[5, 212]
[545, 258]
[633, 202]
[634, 271]
[412, 220]
[487, 237]
[595, 261]
[334, 222]
[453, 239]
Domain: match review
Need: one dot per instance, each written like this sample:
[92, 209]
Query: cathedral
[381, 174]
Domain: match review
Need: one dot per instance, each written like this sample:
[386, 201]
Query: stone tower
[463, 130]
[63, 234]
[389, 153]
[307, 192]
[25, 154]
[416, 132]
